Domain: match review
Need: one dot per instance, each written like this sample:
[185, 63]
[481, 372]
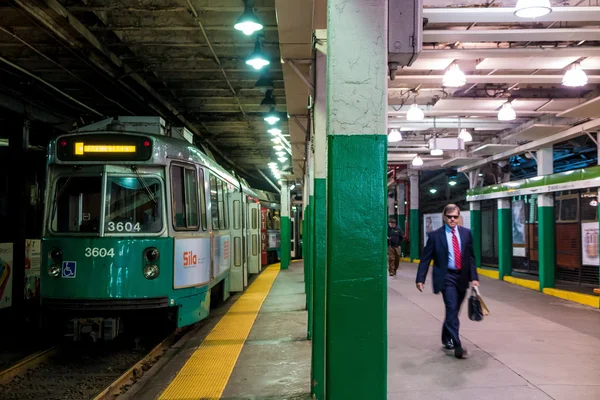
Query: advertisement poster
[33, 261]
[589, 242]
[6, 274]
[192, 262]
[263, 235]
[518, 222]
[222, 254]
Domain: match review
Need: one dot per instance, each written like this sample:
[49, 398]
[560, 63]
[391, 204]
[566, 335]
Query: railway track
[82, 372]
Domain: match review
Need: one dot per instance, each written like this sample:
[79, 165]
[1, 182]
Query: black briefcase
[475, 309]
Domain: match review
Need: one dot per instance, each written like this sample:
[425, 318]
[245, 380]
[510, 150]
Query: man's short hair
[392, 220]
[451, 207]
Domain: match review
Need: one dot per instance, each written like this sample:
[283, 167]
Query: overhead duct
[405, 33]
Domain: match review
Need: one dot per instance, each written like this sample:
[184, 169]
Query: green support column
[310, 269]
[546, 243]
[285, 226]
[356, 316]
[320, 218]
[504, 238]
[476, 230]
[413, 217]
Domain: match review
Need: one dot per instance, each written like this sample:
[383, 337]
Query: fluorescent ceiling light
[465, 136]
[506, 113]
[436, 152]
[394, 136]
[415, 113]
[417, 161]
[575, 76]
[454, 77]
[532, 8]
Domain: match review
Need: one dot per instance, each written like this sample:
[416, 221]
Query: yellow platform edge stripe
[489, 273]
[207, 371]
[585, 299]
[526, 283]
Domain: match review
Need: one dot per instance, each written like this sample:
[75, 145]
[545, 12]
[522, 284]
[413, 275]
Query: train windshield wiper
[58, 193]
[144, 184]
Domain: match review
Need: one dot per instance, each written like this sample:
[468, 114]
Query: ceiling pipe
[499, 79]
[512, 35]
[506, 15]
[495, 52]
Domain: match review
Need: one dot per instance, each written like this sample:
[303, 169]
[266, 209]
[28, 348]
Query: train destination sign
[104, 147]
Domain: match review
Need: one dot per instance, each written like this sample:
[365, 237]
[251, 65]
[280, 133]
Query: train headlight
[151, 254]
[151, 271]
[54, 270]
[55, 254]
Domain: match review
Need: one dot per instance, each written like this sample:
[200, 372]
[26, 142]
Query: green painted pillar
[310, 269]
[476, 230]
[546, 243]
[356, 281]
[285, 226]
[320, 219]
[504, 238]
[413, 217]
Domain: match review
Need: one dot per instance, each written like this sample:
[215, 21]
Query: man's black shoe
[449, 345]
[460, 352]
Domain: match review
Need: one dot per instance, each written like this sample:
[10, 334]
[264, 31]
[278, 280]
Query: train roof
[164, 148]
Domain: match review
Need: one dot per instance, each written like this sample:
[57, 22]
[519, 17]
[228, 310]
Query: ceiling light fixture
[454, 77]
[465, 136]
[278, 147]
[276, 140]
[272, 117]
[432, 190]
[274, 131]
[257, 59]
[436, 152]
[394, 136]
[575, 76]
[417, 161]
[452, 183]
[282, 159]
[532, 8]
[281, 153]
[248, 23]
[415, 113]
[506, 113]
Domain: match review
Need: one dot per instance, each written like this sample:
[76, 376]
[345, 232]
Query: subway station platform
[532, 346]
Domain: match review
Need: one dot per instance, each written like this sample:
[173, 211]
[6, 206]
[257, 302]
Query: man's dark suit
[452, 284]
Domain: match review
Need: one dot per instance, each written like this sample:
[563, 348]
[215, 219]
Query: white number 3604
[124, 227]
[99, 252]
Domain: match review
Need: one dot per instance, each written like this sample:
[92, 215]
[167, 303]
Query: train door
[247, 240]
[263, 238]
[254, 264]
[237, 236]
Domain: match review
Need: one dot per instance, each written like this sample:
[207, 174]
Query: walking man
[451, 249]
[395, 237]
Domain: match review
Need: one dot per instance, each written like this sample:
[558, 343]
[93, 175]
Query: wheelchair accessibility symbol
[69, 269]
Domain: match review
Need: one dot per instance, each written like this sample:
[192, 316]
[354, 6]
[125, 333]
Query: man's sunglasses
[452, 216]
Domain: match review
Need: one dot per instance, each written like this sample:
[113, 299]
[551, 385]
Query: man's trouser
[453, 299]
[393, 259]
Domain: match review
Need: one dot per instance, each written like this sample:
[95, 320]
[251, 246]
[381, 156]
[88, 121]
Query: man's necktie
[457, 257]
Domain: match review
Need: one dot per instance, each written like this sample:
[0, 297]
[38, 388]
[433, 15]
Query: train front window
[133, 205]
[76, 208]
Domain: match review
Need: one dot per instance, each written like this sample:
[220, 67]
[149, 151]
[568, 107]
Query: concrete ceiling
[181, 59]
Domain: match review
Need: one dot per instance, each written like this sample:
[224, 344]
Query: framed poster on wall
[589, 243]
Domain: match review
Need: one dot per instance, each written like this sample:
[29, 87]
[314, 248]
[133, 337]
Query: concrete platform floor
[275, 360]
[531, 346]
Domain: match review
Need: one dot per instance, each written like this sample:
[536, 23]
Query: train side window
[184, 183]
[237, 220]
[254, 218]
[191, 198]
[221, 196]
[202, 199]
[214, 206]
[178, 196]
